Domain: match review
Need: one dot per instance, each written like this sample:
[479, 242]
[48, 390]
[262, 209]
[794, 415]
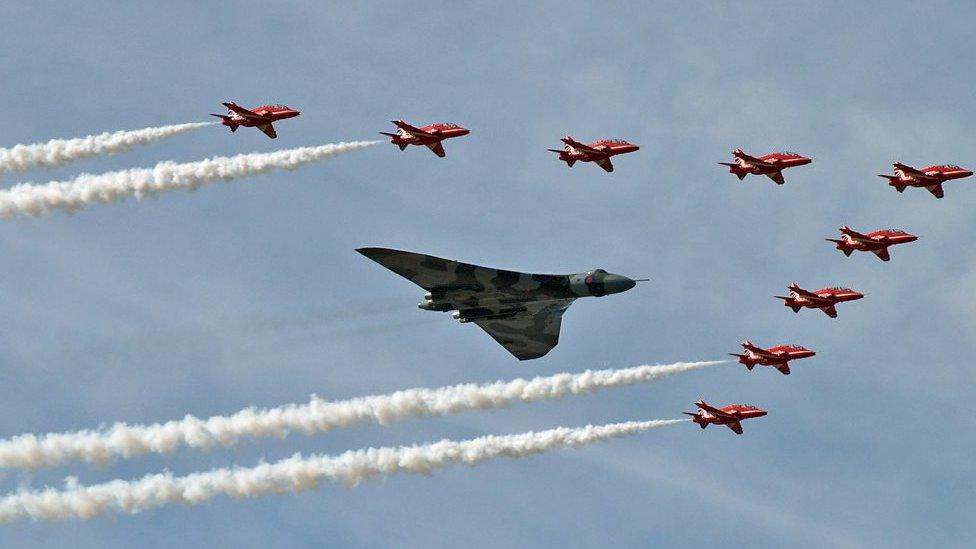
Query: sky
[251, 293]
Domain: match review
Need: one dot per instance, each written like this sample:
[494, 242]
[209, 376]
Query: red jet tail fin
[840, 246]
[894, 181]
[227, 121]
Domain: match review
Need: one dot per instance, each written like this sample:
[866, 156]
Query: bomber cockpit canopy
[951, 166]
[840, 289]
[788, 153]
[597, 274]
[448, 125]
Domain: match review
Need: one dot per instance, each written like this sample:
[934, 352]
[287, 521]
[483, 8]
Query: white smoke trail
[31, 451]
[58, 152]
[36, 199]
[296, 474]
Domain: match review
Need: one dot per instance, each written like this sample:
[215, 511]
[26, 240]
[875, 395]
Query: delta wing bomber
[521, 311]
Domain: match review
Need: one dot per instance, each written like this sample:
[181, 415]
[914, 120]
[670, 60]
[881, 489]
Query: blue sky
[251, 294]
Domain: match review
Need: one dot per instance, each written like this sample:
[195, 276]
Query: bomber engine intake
[471, 315]
[430, 305]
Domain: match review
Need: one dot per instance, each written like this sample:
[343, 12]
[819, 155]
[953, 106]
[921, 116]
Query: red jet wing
[882, 253]
[244, 112]
[910, 170]
[713, 410]
[268, 130]
[581, 147]
[856, 235]
[760, 351]
[750, 159]
[777, 177]
[437, 148]
[936, 190]
[605, 163]
[830, 310]
[809, 295]
[736, 427]
[412, 130]
[784, 368]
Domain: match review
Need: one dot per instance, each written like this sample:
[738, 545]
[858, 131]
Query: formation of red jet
[770, 165]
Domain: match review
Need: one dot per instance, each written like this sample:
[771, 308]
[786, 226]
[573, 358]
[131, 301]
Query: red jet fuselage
[771, 165]
[730, 415]
[777, 357]
[429, 136]
[598, 152]
[260, 117]
[824, 299]
[930, 178]
[876, 242]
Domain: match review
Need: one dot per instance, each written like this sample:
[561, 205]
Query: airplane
[521, 311]
[931, 178]
[429, 136]
[261, 117]
[824, 299]
[771, 165]
[876, 242]
[598, 152]
[778, 357]
[730, 415]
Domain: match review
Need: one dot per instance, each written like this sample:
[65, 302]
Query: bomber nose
[617, 283]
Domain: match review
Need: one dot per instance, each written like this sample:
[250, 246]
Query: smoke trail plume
[297, 473]
[30, 451]
[58, 152]
[36, 199]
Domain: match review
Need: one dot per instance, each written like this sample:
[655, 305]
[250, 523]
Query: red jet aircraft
[931, 178]
[261, 117]
[824, 299]
[598, 151]
[770, 165]
[429, 136]
[729, 415]
[876, 242]
[778, 357]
